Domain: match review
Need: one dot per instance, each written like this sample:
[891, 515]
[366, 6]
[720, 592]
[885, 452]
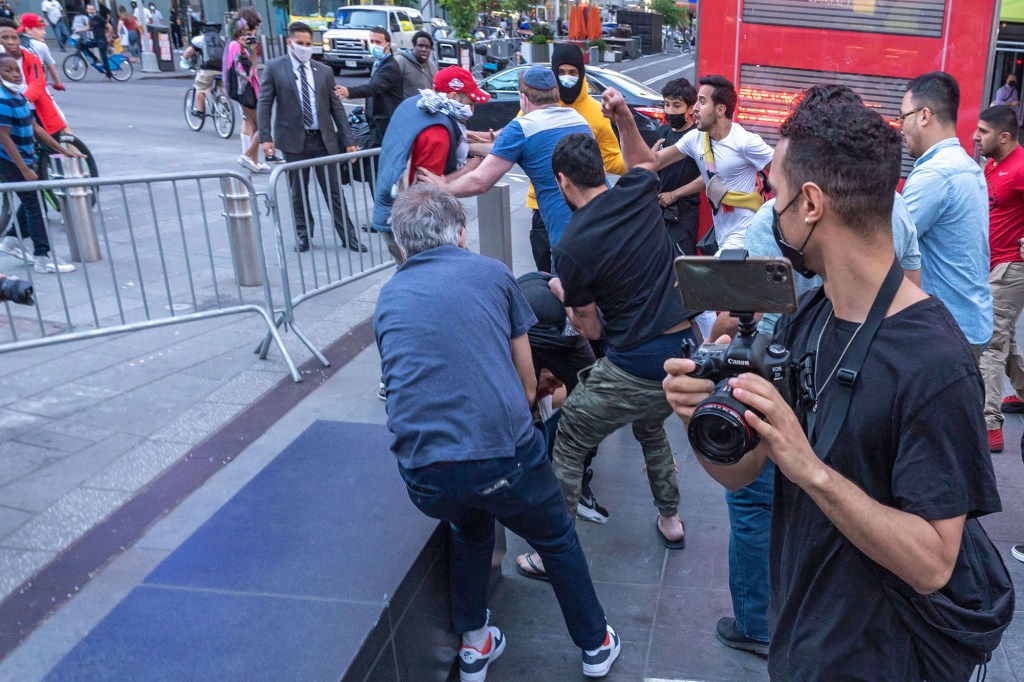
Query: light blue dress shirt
[947, 197]
[760, 242]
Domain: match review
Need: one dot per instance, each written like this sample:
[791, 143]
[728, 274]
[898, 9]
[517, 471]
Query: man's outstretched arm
[472, 183]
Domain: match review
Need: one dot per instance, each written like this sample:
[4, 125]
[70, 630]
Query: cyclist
[207, 49]
[34, 77]
[94, 33]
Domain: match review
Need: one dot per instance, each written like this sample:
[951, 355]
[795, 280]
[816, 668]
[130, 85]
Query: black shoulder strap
[846, 376]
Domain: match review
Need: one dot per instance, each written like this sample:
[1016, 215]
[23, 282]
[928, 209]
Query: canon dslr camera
[718, 432]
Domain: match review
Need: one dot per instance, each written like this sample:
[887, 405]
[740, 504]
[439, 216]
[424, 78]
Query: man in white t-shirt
[728, 157]
[55, 17]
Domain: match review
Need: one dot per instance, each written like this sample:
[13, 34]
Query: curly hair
[849, 151]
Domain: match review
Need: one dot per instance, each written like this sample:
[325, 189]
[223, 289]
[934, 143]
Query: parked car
[648, 106]
[347, 43]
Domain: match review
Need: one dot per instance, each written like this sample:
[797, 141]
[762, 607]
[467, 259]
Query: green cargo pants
[605, 400]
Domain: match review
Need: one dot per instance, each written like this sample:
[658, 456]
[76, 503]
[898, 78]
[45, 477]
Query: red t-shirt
[430, 150]
[1005, 206]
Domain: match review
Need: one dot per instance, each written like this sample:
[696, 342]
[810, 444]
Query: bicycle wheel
[194, 121]
[75, 67]
[224, 117]
[121, 69]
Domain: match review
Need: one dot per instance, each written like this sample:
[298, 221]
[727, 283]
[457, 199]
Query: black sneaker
[587, 507]
[1017, 552]
[598, 662]
[473, 662]
[730, 636]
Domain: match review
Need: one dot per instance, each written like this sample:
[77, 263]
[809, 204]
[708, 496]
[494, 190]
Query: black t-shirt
[615, 252]
[673, 177]
[914, 439]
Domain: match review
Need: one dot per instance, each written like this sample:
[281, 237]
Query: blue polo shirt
[530, 142]
[947, 197]
[444, 324]
[15, 114]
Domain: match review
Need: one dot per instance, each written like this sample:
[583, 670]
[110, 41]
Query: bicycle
[223, 113]
[77, 64]
[50, 200]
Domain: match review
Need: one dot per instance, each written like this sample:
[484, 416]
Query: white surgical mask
[568, 81]
[302, 53]
[19, 88]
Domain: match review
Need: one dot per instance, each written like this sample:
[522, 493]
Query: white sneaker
[247, 163]
[45, 264]
[12, 246]
[598, 662]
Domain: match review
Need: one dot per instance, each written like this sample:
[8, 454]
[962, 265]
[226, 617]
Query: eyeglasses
[903, 117]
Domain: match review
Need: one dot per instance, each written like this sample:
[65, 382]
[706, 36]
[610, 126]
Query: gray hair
[425, 216]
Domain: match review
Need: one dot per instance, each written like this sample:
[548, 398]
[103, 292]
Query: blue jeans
[29, 217]
[60, 32]
[750, 524]
[522, 493]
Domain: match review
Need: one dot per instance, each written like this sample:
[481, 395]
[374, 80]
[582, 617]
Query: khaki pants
[605, 400]
[1002, 357]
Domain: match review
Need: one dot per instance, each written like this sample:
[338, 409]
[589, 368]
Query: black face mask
[795, 256]
[676, 121]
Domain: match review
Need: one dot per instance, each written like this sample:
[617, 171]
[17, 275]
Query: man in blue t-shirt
[528, 141]
[18, 130]
[451, 327]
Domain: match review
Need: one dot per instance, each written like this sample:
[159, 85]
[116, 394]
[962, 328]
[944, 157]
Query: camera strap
[822, 438]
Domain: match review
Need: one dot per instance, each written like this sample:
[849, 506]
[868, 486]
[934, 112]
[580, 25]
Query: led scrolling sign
[923, 18]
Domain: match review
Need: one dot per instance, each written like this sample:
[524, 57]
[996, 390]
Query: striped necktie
[307, 100]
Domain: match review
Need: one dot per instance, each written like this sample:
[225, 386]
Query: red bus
[774, 49]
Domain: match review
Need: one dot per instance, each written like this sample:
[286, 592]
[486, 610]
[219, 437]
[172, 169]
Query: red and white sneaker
[995, 440]
[598, 662]
[473, 662]
[1012, 405]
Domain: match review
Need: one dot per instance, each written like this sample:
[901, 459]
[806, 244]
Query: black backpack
[213, 48]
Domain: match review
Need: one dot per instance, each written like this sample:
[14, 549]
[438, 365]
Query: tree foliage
[414, 4]
[517, 6]
[672, 14]
[462, 14]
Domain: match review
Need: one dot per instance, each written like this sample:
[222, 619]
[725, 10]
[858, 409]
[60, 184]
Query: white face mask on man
[302, 53]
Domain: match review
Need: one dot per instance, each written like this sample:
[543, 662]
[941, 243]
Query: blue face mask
[377, 52]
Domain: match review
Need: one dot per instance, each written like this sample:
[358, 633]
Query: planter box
[595, 55]
[611, 56]
[536, 54]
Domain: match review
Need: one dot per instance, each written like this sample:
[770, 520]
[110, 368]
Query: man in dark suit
[309, 121]
[384, 90]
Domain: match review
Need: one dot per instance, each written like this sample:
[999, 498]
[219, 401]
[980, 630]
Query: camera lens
[717, 429]
[15, 291]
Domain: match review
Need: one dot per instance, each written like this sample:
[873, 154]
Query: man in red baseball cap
[456, 80]
[33, 30]
[431, 134]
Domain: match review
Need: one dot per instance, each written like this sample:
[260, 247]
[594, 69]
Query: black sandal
[535, 572]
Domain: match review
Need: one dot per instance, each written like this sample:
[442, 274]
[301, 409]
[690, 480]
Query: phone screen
[754, 285]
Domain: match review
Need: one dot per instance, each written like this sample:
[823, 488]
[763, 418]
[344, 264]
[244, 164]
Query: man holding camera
[877, 518]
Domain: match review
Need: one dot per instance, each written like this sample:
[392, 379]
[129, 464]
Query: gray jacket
[415, 76]
[279, 86]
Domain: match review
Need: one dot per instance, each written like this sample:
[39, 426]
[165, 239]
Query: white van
[347, 42]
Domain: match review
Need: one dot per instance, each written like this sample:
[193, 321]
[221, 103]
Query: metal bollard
[494, 216]
[241, 233]
[76, 205]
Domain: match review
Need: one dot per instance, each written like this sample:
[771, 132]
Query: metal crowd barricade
[329, 263]
[165, 257]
